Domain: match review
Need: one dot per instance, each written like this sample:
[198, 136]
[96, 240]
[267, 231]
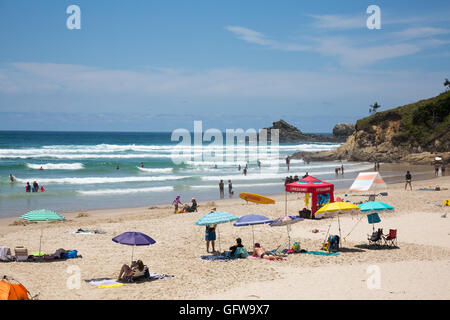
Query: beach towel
[110, 283]
[217, 258]
[322, 253]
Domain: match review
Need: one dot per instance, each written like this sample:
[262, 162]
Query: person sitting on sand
[134, 272]
[193, 206]
[260, 252]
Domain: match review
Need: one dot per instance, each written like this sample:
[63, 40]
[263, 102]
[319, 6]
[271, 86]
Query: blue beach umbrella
[133, 239]
[216, 217]
[251, 220]
[42, 215]
[375, 206]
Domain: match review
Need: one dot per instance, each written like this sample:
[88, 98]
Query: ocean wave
[156, 170]
[56, 166]
[100, 180]
[275, 175]
[124, 191]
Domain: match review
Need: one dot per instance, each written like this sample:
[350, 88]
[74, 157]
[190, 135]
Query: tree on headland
[373, 108]
[447, 84]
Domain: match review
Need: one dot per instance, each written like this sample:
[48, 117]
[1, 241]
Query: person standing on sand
[230, 188]
[245, 171]
[408, 179]
[176, 202]
[221, 188]
[342, 169]
[210, 236]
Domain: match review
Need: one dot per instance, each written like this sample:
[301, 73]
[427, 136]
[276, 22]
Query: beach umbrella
[375, 206]
[373, 218]
[216, 217]
[133, 239]
[251, 220]
[42, 215]
[286, 221]
[372, 207]
[336, 208]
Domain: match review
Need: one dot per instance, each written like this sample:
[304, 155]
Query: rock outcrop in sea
[290, 134]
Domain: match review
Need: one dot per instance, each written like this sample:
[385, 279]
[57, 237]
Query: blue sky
[160, 65]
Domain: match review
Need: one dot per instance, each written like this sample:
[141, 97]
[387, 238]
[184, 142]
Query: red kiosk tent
[312, 185]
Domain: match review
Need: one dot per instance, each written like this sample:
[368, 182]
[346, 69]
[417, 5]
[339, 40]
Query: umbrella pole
[253, 232]
[339, 224]
[285, 203]
[40, 242]
[132, 254]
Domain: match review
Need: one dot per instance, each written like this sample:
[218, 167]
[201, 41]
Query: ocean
[101, 170]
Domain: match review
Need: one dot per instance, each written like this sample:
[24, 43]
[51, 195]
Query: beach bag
[71, 254]
[241, 252]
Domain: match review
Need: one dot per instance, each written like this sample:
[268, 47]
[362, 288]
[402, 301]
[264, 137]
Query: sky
[146, 65]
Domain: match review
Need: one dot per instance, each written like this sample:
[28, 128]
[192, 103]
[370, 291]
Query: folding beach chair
[391, 238]
[376, 237]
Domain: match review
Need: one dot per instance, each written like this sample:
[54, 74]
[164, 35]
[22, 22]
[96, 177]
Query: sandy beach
[417, 269]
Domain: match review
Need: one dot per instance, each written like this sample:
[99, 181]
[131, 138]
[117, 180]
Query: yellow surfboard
[256, 198]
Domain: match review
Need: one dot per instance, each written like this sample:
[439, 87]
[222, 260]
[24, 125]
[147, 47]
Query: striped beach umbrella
[42, 215]
[216, 217]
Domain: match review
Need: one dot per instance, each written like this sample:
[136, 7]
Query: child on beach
[176, 202]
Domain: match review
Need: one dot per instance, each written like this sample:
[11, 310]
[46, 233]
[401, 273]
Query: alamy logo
[74, 20]
[374, 21]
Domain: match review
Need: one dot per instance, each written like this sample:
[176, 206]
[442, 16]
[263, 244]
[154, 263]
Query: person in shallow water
[28, 187]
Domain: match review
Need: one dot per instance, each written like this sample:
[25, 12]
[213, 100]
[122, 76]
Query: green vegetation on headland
[413, 133]
[424, 124]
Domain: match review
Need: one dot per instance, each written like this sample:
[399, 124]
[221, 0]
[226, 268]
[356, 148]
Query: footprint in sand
[254, 296]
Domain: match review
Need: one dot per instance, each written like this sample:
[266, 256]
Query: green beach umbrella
[42, 215]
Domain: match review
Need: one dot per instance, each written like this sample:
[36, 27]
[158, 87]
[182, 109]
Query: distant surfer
[142, 164]
[288, 162]
[11, 177]
[117, 168]
[221, 188]
[41, 168]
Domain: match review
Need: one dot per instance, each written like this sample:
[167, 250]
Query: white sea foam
[125, 191]
[100, 180]
[56, 166]
[156, 170]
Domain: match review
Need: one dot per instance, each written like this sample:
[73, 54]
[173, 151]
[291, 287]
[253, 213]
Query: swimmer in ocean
[11, 177]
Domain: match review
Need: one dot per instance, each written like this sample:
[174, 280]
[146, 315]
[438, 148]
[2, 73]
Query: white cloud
[338, 22]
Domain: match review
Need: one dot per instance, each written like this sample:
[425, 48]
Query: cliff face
[289, 133]
[414, 133]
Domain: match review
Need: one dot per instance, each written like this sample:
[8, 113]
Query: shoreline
[385, 168]
[407, 271]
